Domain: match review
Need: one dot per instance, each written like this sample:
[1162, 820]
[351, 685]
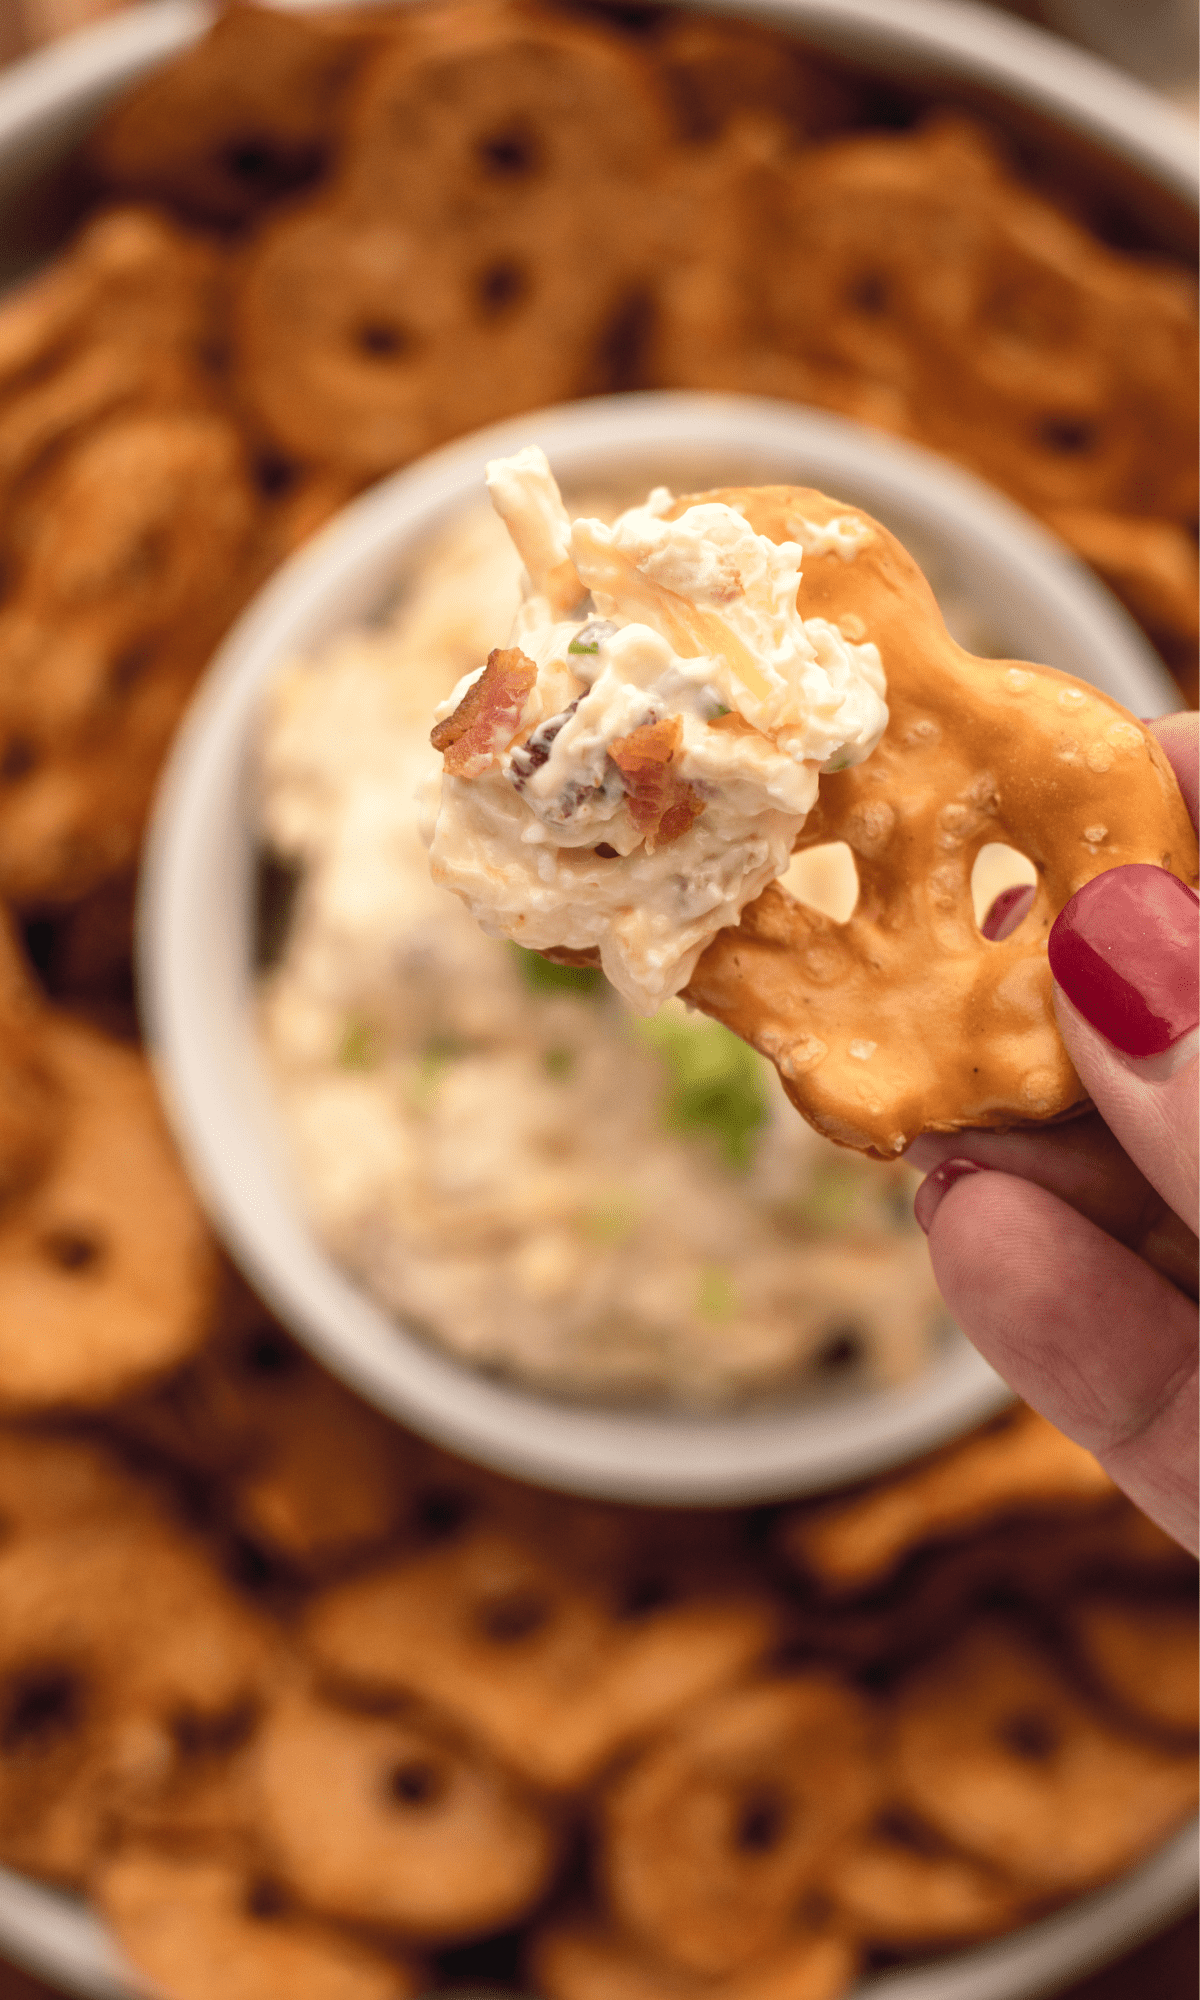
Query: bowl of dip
[275, 1134]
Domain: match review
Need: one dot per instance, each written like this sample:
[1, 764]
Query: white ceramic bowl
[196, 926]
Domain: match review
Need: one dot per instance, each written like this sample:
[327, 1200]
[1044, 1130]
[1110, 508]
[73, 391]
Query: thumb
[1124, 954]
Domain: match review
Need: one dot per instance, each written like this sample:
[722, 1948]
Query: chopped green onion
[612, 1220]
[715, 1084]
[558, 1063]
[541, 975]
[359, 1047]
[435, 1059]
[721, 710]
[716, 1293]
[576, 647]
[831, 1197]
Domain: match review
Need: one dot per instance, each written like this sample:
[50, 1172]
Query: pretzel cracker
[905, 1019]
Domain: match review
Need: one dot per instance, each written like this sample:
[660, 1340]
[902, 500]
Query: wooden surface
[1166, 1969]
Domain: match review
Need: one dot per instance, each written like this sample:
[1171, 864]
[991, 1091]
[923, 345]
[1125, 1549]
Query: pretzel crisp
[906, 1019]
[201, 1923]
[530, 1657]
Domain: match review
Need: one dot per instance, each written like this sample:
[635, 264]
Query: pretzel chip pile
[469, 1729]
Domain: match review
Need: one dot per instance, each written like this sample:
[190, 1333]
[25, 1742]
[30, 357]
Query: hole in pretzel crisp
[643, 1594]
[264, 1899]
[198, 1734]
[274, 475]
[623, 346]
[1067, 436]
[267, 1351]
[415, 1782]
[383, 340]
[17, 759]
[518, 1615]
[760, 1823]
[1029, 1735]
[1003, 882]
[500, 287]
[38, 1707]
[903, 1829]
[129, 667]
[440, 1511]
[251, 161]
[824, 879]
[843, 1349]
[869, 293]
[73, 1250]
[509, 153]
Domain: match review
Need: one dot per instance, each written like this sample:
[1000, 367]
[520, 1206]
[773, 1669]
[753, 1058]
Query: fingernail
[934, 1186]
[1124, 951]
[1010, 908]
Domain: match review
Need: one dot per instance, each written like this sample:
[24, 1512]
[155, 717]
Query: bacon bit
[488, 716]
[662, 805]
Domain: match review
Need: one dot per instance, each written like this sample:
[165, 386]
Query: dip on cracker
[635, 765]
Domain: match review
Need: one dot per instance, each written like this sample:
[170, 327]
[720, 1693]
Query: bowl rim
[214, 1085]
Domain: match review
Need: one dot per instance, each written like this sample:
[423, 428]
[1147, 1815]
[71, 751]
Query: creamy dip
[500, 1150]
[634, 767]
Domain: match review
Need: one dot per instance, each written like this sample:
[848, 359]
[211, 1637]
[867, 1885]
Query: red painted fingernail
[1124, 951]
[934, 1186]
[1010, 908]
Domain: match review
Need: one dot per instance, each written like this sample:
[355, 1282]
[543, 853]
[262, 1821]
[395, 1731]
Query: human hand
[1068, 1255]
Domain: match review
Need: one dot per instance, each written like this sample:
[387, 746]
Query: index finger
[1081, 1162]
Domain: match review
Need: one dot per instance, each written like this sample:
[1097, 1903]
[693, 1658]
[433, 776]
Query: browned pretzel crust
[906, 1019]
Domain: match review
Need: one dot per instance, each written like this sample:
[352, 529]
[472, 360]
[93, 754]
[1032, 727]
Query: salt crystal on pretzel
[677, 711]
